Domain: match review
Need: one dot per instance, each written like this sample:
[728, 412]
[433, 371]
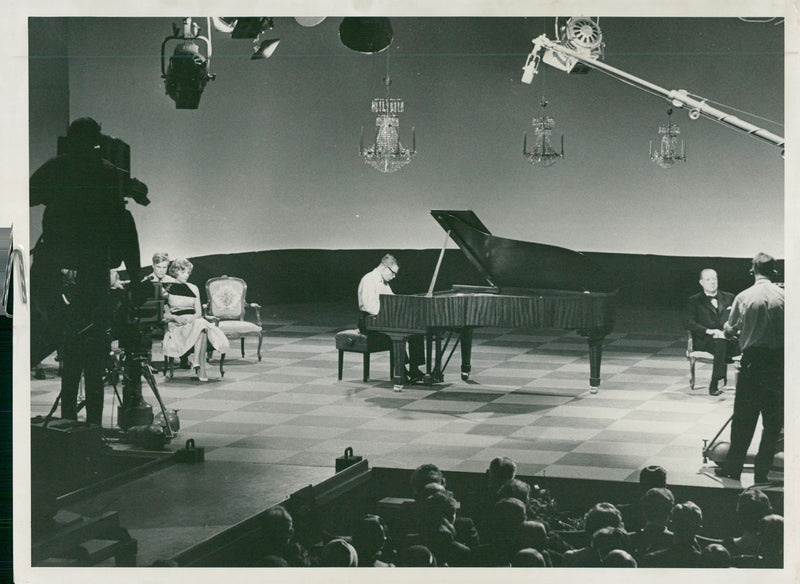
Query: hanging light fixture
[670, 151]
[542, 155]
[387, 154]
[187, 72]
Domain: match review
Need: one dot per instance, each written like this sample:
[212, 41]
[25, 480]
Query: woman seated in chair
[186, 327]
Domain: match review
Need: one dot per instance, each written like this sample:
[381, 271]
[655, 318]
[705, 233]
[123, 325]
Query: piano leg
[437, 371]
[466, 353]
[595, 340]
[429, 375]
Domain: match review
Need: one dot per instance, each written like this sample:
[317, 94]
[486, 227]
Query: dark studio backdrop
[263, 181]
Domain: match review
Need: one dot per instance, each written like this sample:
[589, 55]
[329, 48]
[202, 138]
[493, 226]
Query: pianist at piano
[374, 284]
[530, 285]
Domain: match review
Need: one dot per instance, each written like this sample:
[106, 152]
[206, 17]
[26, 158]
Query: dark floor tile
[602, 460]
[600, 402]
[633, 437]
[534, 443]
[500, 408]
[493, 429]
[657, 371]
[237, 395]
[275, 442]
[228, 428]
[275, 408]
[473, 396]
[570, 422]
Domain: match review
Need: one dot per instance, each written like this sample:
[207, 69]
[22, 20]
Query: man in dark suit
[707, 313]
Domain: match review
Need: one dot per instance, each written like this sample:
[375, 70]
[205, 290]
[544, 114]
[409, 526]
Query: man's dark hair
[609, 538]
[277, 525]
[515, 488]
[752, 506]
[657, 504]
[715, 555]
[601, 515]
[424, 474]
[501, 469]
[687, 518]
[84, 134]
[764, 265]
[440, 505]
[652, 477]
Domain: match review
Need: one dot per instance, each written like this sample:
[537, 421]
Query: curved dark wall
[312, 275]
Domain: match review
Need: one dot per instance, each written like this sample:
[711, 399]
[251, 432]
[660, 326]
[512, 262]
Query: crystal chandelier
[542, 155]
[668, 153]
[387, 154]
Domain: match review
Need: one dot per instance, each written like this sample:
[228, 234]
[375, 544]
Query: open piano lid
[508, 263]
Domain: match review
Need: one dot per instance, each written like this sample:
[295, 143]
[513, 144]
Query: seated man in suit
[370, 288]
[707, 313]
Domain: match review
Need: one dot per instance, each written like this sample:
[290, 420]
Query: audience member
[274, 562]
[337, 553]
[417, 556]
[752, 505]
[684, 551]
[438, 533]
[369, 539]
[650, 477]
[424, 475]
[770, 548]
[528, 558]
[604, 540]
[657, 509]
[619, 559]
[501, 469]
[600, 515]
[715, 555]
[516, 489]
[277, 528]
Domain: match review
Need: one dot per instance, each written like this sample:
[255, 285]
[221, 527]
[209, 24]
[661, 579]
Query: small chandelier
[668, 154]
[387, 154]
[542, 155]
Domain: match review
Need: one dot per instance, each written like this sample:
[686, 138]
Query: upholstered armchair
[226, 304]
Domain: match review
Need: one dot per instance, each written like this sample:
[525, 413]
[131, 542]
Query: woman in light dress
[186, 327]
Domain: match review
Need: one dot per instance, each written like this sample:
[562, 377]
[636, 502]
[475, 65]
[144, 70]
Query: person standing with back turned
[757, 318]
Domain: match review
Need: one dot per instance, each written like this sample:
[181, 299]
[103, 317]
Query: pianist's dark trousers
[416, 343]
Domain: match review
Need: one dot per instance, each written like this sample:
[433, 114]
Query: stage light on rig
[265, 49]
[186, 75]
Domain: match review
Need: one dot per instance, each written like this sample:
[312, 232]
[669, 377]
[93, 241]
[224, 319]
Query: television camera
[138, 313]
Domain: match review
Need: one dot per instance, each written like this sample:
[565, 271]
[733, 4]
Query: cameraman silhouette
[86, 231]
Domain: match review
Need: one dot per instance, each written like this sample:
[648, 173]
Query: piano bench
[354, 341]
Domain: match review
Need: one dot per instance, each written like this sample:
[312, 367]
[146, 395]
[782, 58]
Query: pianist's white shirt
[369, 291]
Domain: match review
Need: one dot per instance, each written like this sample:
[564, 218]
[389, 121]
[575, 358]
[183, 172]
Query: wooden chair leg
[260, 338]
[341, 363]
[366, 367]
[391, 363]
[242, 339]
[221, 363]
[691, 372]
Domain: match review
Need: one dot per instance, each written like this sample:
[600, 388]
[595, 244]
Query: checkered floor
[527, 398]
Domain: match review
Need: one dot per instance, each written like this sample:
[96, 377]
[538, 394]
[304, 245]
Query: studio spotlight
[309, 21]
[366, 35]
[265, 49]
[187, 74]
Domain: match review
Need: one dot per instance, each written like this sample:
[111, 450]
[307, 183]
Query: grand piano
[530, 285]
